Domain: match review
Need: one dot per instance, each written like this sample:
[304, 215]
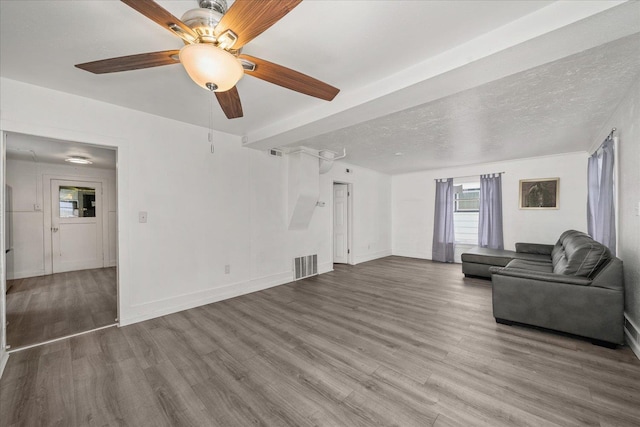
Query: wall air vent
[274, 152]
[305, 266]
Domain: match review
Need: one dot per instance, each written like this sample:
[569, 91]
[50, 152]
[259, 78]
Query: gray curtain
[593, 188]
[601, 216]
[443, 235]
[490, 221]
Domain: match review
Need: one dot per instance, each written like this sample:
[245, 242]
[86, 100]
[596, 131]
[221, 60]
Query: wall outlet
[227, 269]
[142, 217]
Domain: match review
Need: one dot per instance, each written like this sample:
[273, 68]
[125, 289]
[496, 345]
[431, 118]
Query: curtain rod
[469, 176]
[608, 138]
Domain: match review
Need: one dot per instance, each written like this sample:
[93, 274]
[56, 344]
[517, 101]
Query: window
[466, 212]
[467, 199]
[77, 202]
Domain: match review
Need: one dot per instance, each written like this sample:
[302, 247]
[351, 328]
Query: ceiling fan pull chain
[212, 96]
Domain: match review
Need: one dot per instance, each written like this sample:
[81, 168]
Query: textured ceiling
[44, 150]
[553, 108]
[444, 81]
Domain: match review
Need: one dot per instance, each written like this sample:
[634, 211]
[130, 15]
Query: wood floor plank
[179, 402]
[54, 374]
[144, 347]
[395, 341]
[268, 404]
[47, 307]
[178, 350]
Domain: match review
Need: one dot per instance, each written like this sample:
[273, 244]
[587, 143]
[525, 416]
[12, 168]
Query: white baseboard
[370, 257]
[633, 343]
[25, 274]
[325, 268]
[411, 254]
[178, 303]
[4, 358]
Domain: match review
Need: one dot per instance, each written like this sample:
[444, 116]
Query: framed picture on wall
[540, 193]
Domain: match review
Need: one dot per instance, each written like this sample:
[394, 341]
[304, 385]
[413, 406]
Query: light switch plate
[142, 217]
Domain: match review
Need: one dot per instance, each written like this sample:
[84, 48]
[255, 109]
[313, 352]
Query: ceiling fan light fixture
[208, 66]
[80, 160]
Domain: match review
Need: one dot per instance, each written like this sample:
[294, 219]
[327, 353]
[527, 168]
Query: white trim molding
[4, 358]
[408, 254]
[633, 342]
[66, 337]
[178, 303]
[370, 257]
[25, 274]
[325, 267]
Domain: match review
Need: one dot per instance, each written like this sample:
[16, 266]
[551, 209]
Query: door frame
[3, 266]
[47, 200]
[350, 254]
[121, 145]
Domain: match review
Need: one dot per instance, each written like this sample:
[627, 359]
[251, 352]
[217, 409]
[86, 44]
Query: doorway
[62, 275]
[342, 218]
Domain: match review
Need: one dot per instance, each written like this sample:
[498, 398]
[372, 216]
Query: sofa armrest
[541, 276]
[534, 248]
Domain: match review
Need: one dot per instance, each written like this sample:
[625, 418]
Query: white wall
[26, 179]
[413, 197]
[626, 120]
[204, 210]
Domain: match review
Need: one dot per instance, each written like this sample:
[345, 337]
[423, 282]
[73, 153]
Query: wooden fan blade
[163, 17]
[290, 79]
[230, 103]
[249, 18]
[131, 62]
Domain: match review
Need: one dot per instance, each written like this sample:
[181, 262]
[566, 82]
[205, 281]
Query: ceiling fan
[212, 55]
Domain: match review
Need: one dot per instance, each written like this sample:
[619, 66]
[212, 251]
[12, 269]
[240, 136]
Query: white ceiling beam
[458, 69]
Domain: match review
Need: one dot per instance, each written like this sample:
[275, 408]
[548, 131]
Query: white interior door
[76, 225]
[340, 224]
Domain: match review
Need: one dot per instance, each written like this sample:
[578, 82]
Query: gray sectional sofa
[575, 286]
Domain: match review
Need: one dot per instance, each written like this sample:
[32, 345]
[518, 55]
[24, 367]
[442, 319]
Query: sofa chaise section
[477, 262]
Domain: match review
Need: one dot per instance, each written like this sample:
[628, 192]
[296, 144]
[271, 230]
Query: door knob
[54, 229]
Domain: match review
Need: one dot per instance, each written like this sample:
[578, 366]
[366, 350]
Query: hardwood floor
[47, 307]
[395, 341]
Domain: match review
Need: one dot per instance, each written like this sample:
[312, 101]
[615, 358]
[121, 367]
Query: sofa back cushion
[557, 253]
[578, 254]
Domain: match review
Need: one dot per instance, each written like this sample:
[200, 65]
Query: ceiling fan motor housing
[217, 5]
[203, 22]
